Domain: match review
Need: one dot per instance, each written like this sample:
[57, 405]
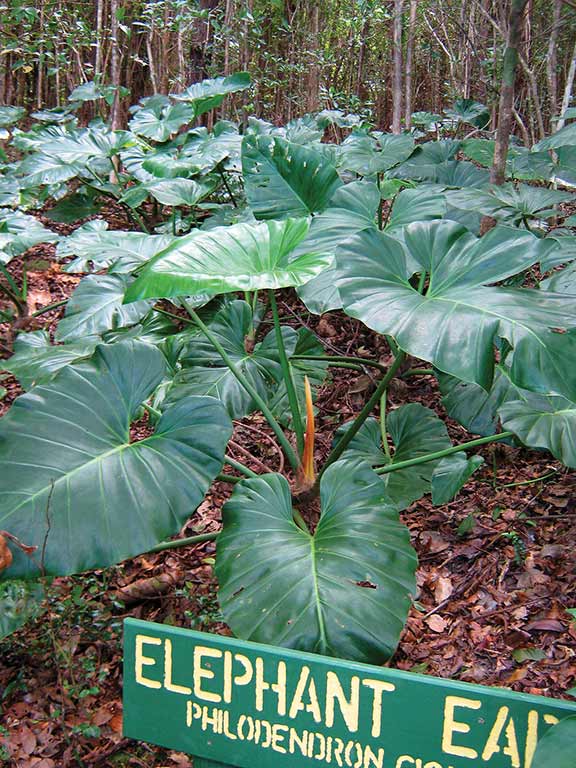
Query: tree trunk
[505, 117]
[409, 61]
[397, 74]
[314, 70]
[98, 48]
[567, 90]
[552, 60]
[115, 65]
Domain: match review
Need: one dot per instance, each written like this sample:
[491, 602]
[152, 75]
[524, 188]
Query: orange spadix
[307, 474]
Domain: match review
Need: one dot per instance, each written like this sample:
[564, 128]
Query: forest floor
[496, 572]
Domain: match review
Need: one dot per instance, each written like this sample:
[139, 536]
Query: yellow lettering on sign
[297, 704]
[200, 673]
[338, 750]
[279, 687]
[168, 684]
[452, 726]
[492, 744]
[551, 720]
[227, 687]
[404, 760]
[278, 737]
[246, 676]
[321, 754]
[296, 739]
[531, 738]
[378, 686]
[348, 708]
[145, 661]
[226, 730]
[371, 759]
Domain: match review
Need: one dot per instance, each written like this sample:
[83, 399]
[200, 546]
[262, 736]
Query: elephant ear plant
[315, 558]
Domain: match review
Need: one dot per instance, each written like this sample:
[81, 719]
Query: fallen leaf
[545, 625]
[444, 589]
[437, 623]
[528, 654]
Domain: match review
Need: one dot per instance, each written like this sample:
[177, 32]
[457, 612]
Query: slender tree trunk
[410, 62]
[552, 60]
[98, 50]
[397, 73]
[115, 65]
[568, 90]
[314, 69]
[505, 117]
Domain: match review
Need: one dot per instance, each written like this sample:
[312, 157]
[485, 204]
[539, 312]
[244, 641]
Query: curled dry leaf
[5, 554]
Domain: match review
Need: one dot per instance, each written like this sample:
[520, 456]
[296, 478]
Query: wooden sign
[256, 706]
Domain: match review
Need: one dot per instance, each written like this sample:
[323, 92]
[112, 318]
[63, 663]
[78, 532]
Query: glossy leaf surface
[106, 498]
[243, 257]
[345, 591]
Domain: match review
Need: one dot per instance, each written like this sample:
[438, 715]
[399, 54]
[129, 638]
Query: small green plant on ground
[173, 321]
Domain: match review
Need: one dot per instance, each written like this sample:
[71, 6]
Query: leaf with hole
[344, 591]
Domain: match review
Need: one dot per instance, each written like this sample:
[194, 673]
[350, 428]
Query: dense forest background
[383, 58]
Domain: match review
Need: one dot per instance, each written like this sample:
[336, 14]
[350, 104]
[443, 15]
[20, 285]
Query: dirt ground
[496, 575]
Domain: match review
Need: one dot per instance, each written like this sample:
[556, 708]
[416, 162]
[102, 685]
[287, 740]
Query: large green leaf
[204, 371]
[510, 203]
[543, 422]
[415, 431]
[36, 360]
[96, 306]
[203, 150]
[469, 111]
[19, 602]
[91, 497]
[351, 209]
[425, 203]
[345, 591]
[368, 155]
[97, 248]
[557, 748]
[284, 179]
[179, 191]
[566, 136]
[474, 407]
[459, 318]
[243, 257]
[10, 115]
[208, 94]
[563, 281]
[158, 119]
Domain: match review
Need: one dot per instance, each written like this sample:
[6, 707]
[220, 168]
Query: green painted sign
[257, 706]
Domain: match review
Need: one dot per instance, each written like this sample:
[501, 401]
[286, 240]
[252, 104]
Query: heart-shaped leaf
[92, 497]
[37, 361]
[96, 306]
[97, 247]
[474, 407]
[455, 323]
[285, 180]
[557, 748]
[368, 155]
[243, 257]
[415, 431]
[158, 119]
[208, 94]
[179, 191]
[344, 591]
